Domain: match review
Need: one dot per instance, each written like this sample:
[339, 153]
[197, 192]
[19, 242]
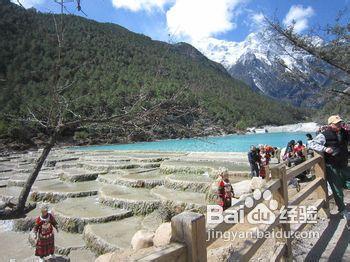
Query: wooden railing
[190, 232]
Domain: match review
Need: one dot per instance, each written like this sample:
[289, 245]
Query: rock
[241, 188]
[105, 257]
[257, 183]
[163, 235]
[142, 239]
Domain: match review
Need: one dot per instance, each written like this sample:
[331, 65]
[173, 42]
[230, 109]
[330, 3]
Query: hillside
[106, 65]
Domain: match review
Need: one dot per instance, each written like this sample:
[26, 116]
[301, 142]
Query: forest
[104, 68]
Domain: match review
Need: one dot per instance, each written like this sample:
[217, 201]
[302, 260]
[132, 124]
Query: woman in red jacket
[44, 235]
[225, 191]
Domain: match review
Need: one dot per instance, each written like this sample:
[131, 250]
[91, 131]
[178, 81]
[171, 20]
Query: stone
[142, 239]
[241, 188]
[257, 183]
[105, 257]
[162, 236]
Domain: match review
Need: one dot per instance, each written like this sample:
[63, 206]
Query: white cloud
[298, 17]
[258, 18]
[138, 5]
[28, 3]
[196, 19]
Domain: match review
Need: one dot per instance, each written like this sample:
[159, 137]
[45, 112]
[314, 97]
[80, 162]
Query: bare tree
[58, 117]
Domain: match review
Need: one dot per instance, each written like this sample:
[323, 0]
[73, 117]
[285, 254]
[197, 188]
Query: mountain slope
[254, 62]
[107, 65]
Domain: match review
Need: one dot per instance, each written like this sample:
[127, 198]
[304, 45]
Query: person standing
[44, 235]
[264, 160]
[309, 151]
[333, 142]
[225, 190]
[277, 154]
[253, 158]
[308, 138]
[289, 152]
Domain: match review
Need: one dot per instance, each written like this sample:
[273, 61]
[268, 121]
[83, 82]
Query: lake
[229, 143]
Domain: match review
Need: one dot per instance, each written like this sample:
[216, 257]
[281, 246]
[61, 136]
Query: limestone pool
[229, 143]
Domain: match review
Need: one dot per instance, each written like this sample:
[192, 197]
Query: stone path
[333, 241]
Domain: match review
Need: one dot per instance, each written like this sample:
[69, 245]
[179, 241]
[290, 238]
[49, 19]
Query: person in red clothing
[299, 150]
[270, 150]
[264, 161]
[44, 234]
[225, 190]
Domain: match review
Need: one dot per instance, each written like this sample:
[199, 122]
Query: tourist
[299, 157]
[253, 158]
[44, 235]
[269, 150]
[310, 152]
[264, 162]
[289, 153]
[277, 154]
[333, 142]
[225, 190]
[308, 138]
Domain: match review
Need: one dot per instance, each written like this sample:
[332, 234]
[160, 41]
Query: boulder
[142, 239]
[163, 235]
[241, 188]
[257, 183]
[105, 257]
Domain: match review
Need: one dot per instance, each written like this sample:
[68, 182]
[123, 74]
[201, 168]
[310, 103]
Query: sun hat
[334, 119]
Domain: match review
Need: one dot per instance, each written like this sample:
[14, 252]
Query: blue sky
[190, 20]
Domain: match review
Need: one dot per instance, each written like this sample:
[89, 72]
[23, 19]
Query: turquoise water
[230, 143]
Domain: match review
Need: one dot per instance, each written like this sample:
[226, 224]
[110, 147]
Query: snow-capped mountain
[257, 61]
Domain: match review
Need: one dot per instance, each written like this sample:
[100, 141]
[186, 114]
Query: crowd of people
[259, 158]
[293, 154]
[331, 141]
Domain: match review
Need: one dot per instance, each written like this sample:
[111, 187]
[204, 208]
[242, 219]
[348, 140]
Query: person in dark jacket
[253, 158]
[310, 152]
[333, 142]
[289, 153]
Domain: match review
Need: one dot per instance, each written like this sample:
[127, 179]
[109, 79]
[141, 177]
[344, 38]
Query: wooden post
[189, 228]
[280, 172]
[322, 191]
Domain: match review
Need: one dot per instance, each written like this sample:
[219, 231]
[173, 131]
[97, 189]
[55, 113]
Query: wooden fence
[190, 231]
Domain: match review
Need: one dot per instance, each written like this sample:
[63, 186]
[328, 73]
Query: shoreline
[291, 128]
